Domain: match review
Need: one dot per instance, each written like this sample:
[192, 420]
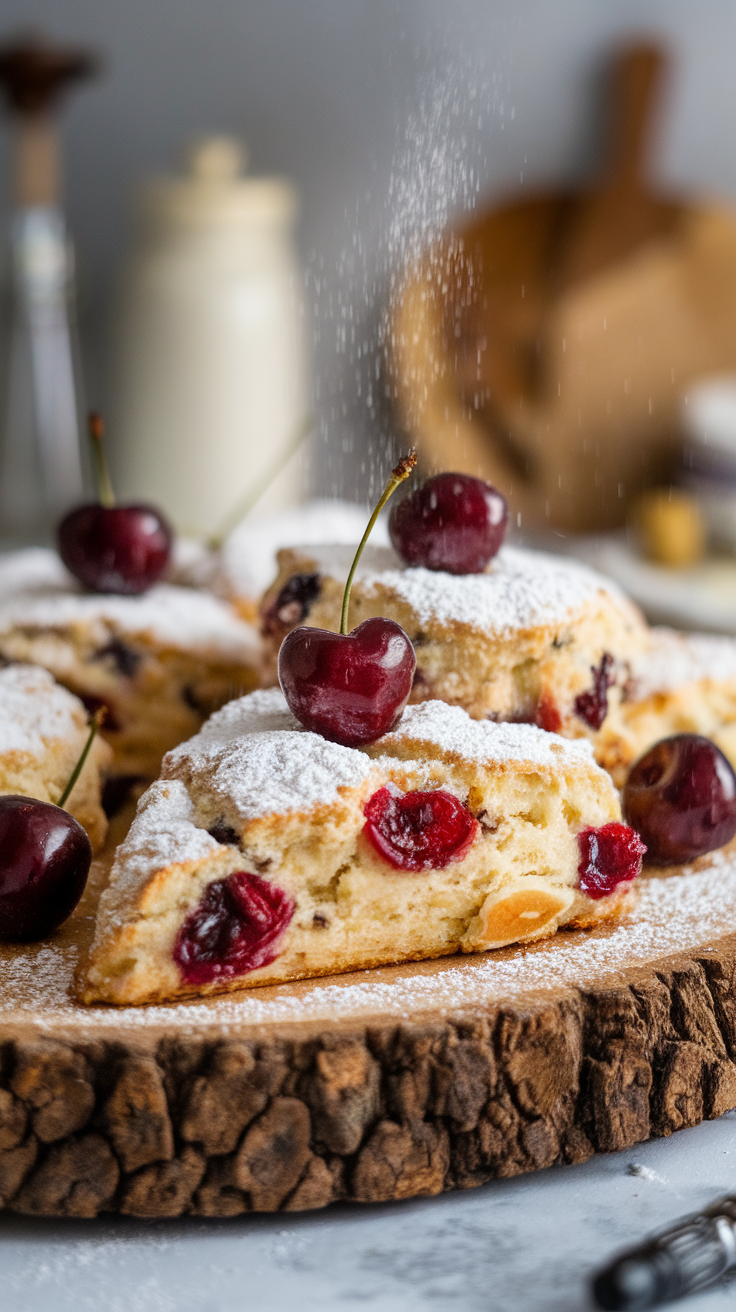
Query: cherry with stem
[351, 687]
[109, 547]
[45, 856]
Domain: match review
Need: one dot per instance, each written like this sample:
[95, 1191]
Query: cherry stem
[402, 471]
[95, 724]
[246, 503]
[96, 429]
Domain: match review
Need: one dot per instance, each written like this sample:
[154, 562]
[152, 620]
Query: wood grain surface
[224, 1107]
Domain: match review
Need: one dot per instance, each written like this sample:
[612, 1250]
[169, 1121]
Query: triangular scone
[159, 662]
[257, 818]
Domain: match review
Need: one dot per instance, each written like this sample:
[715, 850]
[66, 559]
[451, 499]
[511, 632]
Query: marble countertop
[522, 1245]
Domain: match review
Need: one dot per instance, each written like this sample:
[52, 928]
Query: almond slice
[526, 909]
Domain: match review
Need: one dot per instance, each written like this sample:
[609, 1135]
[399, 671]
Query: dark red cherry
[419, 831]
[352, 687]
[681, 797]
[115, 548]
[609, 856]
[45, 857]
[234, 929]
[592, 706]
[452, 522]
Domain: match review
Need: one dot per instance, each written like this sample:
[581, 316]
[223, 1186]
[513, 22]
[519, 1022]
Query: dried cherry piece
[293, 603]
[592, 706]
[234, 929]
[420, 830]
[609, 856]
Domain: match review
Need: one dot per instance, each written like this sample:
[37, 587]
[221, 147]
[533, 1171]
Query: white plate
[700, 598]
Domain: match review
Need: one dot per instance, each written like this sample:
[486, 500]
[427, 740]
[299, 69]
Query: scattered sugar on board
[675, 659]
[35, 710]
[672, 914]
[37, 592]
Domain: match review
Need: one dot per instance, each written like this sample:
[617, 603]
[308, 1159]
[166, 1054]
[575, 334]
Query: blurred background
[391, 118]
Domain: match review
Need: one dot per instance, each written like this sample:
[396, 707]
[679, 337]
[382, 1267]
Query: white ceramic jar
[208, 370]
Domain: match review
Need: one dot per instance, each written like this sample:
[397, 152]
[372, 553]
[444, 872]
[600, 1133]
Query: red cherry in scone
[681, 797]
[419, 830]
[609, 856]
[235, 929]
[350, 688]
[45, 857]
[112, 548]
[453, 522]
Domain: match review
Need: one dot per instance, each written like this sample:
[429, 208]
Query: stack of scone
[489, 815]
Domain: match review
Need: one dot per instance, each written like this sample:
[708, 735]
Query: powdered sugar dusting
[162, 834]
[451, 729]
[675, 659]
[36, 592]
[256, 756]
[520, 590]
[258, 712]
[672, 915]
[35, 710]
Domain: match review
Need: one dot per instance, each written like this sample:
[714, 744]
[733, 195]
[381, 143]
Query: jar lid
[213, 191]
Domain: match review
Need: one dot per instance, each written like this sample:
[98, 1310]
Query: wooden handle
[638, 75]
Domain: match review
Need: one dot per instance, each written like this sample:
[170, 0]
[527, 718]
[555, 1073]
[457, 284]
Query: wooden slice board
[383, 1084]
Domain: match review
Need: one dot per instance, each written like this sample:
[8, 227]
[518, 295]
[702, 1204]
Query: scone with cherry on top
[43, 730]
[266, 853]
[534, 638]
[159, 663]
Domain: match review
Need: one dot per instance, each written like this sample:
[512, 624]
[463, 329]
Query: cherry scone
[680, 683]
[159, 663]
[534, 638]
[43, 730]
[266, 853]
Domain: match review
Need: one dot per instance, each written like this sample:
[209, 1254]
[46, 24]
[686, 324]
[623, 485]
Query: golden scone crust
[160, 663]
[43, 729]
[518, 642]
[255, 792]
